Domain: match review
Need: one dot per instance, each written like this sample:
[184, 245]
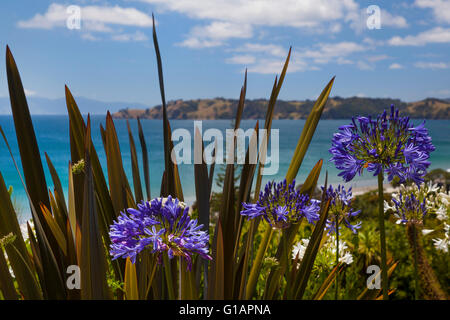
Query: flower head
[78, 167]
[413, 202]
[6, 240]
[425, 200]
[408, 208]
[340, 208]
[388, 143]
[162, 225]
[280, 205]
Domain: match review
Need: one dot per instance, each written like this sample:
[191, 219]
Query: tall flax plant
[74, 231]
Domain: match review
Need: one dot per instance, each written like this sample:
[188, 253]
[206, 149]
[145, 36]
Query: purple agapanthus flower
[280, 205]
[408, 208]
[340, 207]
[161, 225]
[387, 144]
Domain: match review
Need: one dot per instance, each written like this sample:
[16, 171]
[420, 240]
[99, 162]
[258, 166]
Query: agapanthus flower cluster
[388, 144]
[409, 208]
[326, 256]
[341, 208]
[162, 225]
[413, 202]
[435, 201]
[281, 204]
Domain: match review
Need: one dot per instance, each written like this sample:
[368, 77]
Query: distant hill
[336, 108]
[39, 105]
[221, 108]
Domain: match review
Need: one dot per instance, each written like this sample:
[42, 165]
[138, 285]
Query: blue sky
[207, 44]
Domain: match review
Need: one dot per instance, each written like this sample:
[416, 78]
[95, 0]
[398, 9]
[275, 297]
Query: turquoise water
[53, 137]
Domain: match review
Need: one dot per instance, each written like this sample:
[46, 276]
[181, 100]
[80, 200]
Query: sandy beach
[361, 190]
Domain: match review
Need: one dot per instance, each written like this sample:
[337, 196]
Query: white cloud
[435, 35]
[125, 37]
[373, 43]
[363, 65]
[197, 43]
[29, 93]
[94, 18]
[248, 17]
[341, 60]
[336, 28]
[440, 8]
[432, 65]
[378, 58]
[241, 59]
[89, 36]
[271, 49]
[215, 33]
[274, 66]
[269, 58]
[332, 52]
[99, 19]
[358, 20]
[292, 13]
[311, 15]
[395, 66]
[390, 20]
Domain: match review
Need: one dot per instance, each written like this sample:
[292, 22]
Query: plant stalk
[336, 294]
[256, 266]
[429, 286]
[169, 280]
[384, 276]
[416, 273]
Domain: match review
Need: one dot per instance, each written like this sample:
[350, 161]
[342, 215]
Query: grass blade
[118, 183]
[144, 160]
[218, 285]
[308, 132]
[6, 281]
[55, 229]
[135, 167]
[202, 193]
[131, 284]
[59, 194]
[26, 139]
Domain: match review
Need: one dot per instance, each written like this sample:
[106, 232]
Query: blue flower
[340, 206]
[408, 208]
[386, 144]
[161, 225]
[280, 205]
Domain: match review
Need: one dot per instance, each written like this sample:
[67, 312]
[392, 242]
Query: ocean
[52, 134]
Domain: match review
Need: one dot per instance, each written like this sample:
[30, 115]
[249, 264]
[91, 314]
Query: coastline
[363, 189]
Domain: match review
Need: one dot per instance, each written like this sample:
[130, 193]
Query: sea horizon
[52, 133]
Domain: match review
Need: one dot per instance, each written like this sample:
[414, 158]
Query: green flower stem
[256, 266]
[168, 274]
[416, 273]
[150, 280]
[336, 294]
[384, 277]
